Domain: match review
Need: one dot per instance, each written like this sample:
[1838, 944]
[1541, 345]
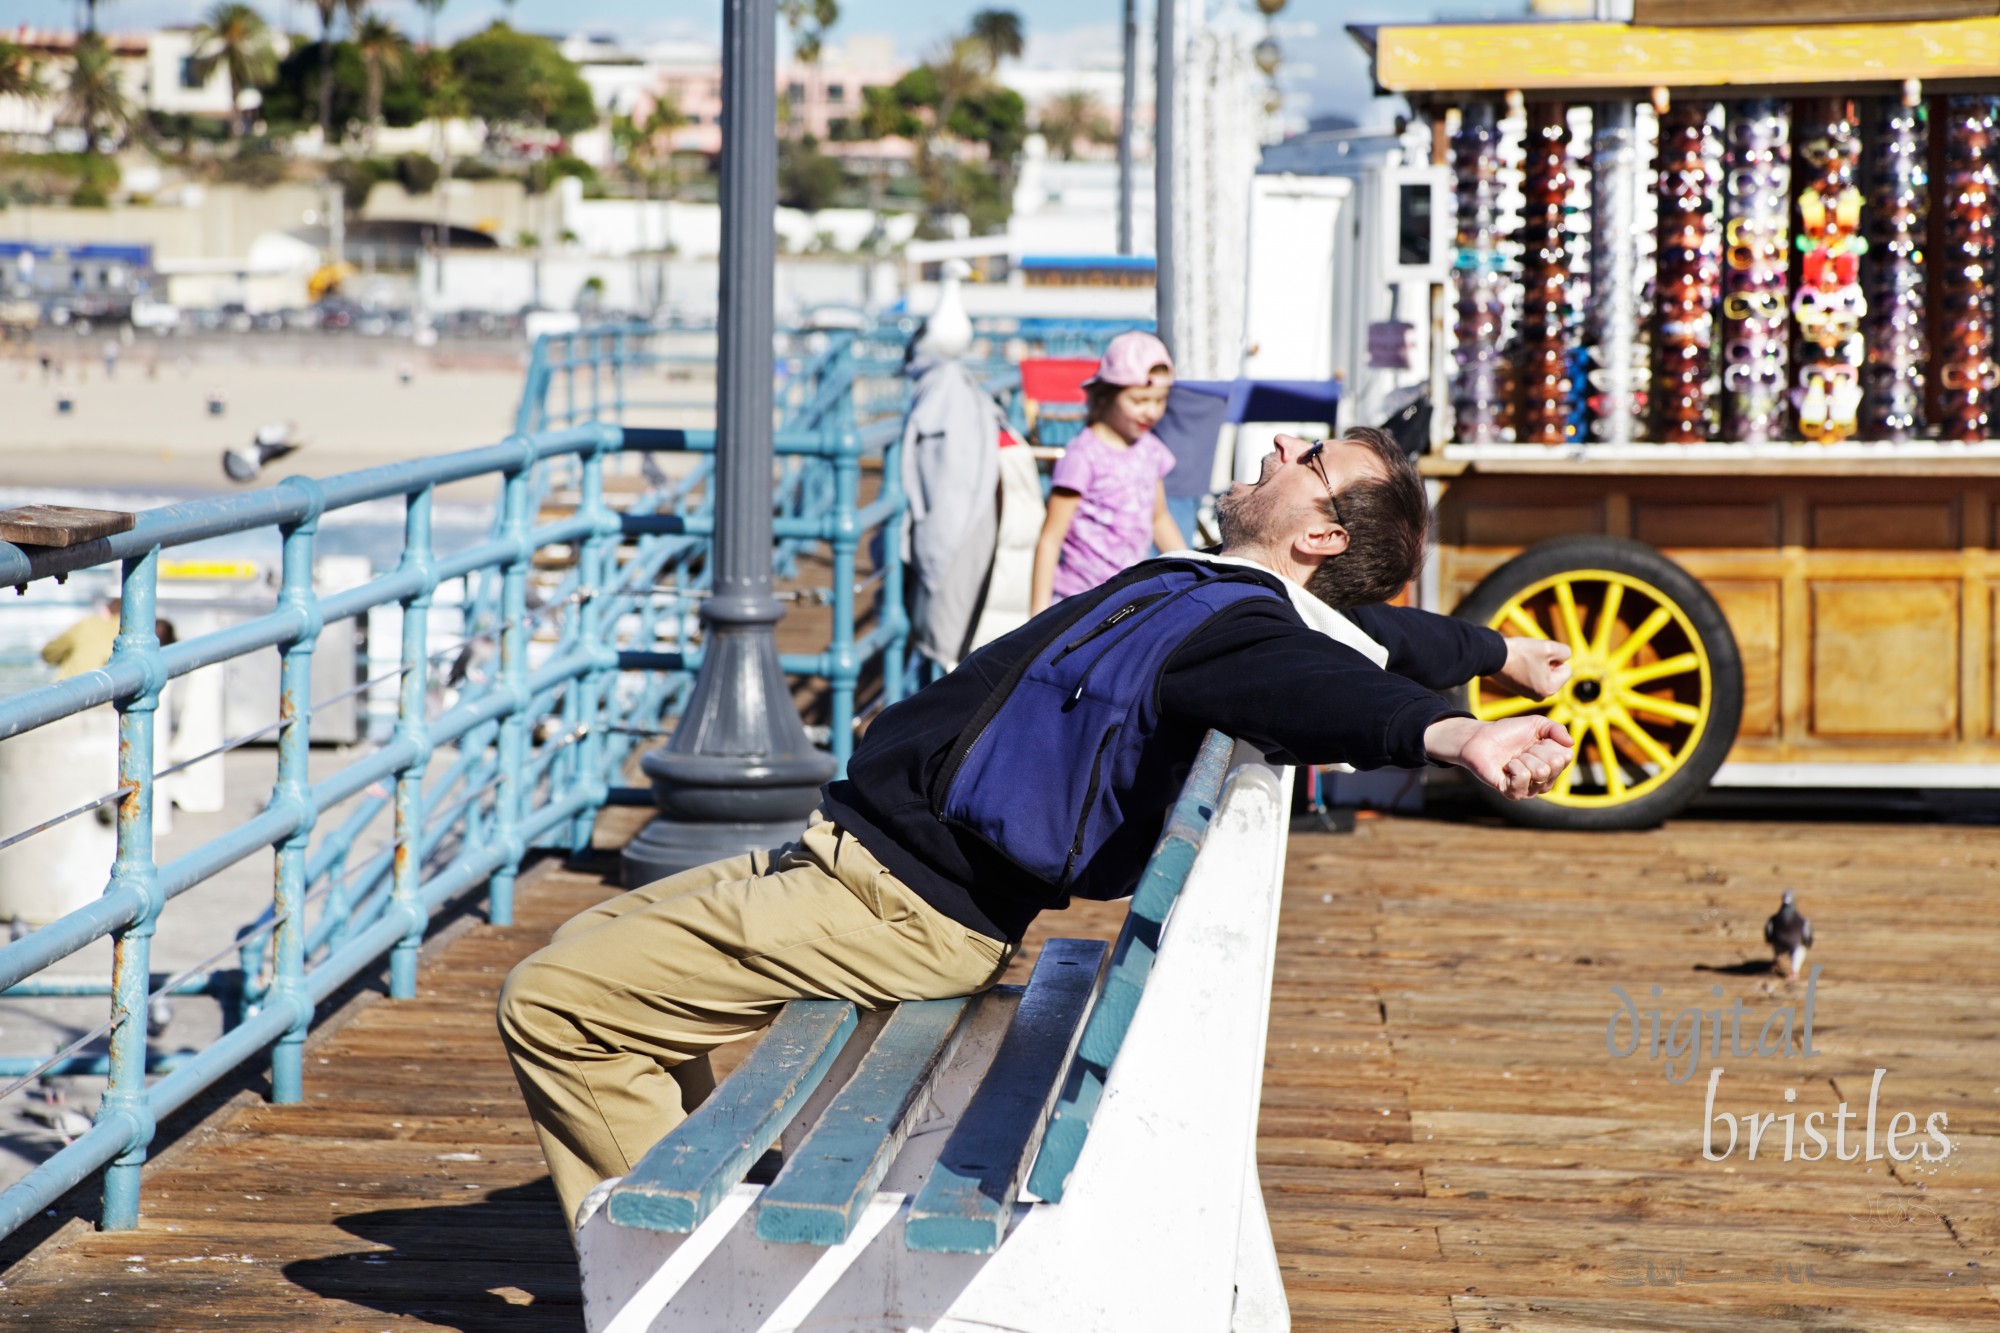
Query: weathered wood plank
[964, 1206]
[61, 525]
[818, 1196]
[686, 1174]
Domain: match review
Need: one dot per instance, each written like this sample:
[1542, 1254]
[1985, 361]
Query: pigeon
[47, 1104]
[1789, 935]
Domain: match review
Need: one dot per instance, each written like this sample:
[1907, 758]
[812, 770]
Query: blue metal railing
[522, 757]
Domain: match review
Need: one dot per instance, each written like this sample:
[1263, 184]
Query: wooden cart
[1769, 614]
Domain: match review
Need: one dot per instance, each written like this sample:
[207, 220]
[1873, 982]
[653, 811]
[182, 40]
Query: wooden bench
[1078, 1154]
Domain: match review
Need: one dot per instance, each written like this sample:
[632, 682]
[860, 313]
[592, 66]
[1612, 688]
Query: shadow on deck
[1446, 1143]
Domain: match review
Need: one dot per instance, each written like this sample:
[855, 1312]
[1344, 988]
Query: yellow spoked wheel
[1656, 687]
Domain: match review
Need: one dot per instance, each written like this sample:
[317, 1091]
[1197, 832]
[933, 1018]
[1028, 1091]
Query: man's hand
[1538, 667]
[1519, 757]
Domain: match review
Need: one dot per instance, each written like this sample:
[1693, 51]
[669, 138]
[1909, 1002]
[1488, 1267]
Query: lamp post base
[668, 846]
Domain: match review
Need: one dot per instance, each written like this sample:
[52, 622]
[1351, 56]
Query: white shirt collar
[1311, 609]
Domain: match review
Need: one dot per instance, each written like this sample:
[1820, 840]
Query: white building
[155, 73]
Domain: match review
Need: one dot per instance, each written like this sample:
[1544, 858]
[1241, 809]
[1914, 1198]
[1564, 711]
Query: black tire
[1694, 627]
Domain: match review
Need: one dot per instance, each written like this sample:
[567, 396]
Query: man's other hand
[1538, 667]
[1519, 757]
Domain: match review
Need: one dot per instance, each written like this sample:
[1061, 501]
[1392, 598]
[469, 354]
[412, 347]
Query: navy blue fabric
[1272, 400]
[1043, 774]
[1256, 672]
[1192, 425]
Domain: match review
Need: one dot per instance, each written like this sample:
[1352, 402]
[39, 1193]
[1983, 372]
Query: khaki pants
[610, 1026]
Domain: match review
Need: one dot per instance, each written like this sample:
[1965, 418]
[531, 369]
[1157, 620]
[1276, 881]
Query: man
[936, 850]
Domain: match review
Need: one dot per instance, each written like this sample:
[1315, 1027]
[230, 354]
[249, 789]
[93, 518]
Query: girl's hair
[1097, 398]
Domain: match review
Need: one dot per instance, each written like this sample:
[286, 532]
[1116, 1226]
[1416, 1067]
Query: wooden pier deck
[1446, 1141]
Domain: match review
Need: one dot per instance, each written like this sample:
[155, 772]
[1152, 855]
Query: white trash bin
[43, 773]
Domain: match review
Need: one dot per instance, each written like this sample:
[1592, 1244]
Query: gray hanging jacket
[951, 471]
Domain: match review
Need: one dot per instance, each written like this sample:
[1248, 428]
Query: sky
[1323, 70]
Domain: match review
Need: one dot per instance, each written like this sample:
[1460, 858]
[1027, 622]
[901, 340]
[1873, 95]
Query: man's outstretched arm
[1441, 652]
[1519, 757]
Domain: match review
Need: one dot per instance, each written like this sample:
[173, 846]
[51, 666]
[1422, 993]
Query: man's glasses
[1311, 458]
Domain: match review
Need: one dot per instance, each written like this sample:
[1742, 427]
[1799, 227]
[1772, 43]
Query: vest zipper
[1123, 613]
[1089, 799]
[1130, 608]
[1084, 679]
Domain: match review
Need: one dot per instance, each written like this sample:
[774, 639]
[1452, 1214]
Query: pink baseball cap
[1130, 359]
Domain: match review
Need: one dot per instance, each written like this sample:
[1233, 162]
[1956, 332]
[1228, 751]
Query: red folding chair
[1052, 390]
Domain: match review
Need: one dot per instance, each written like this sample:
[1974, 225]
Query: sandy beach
[148, 426]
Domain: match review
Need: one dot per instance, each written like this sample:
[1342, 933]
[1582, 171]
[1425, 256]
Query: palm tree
[384, 51]
[444, 99]
[646, 150]
[998, 35]
[235, 37]
[808, 21]
[93, 101]
[1071, 116]
[20, 74]
[330, 10]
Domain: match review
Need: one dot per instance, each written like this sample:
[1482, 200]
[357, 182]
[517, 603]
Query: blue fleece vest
[1057, 758]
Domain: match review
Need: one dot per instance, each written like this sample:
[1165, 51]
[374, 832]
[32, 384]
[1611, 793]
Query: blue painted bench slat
[969, 1196]
[686, 1174]
[1131, 962]
[831, 1177]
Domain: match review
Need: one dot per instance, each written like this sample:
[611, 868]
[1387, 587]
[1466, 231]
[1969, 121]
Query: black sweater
[1255, 672]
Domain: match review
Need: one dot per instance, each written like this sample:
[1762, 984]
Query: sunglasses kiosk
[1715, 385]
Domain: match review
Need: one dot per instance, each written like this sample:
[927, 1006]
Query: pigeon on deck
[1789, 936]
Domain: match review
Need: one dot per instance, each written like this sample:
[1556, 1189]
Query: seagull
[1789, 935]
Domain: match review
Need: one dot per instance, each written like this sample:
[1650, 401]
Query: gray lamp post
[1163, 172]
[739, 773]
[1127, 106]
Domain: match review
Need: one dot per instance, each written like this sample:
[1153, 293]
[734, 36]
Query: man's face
[1286, 504]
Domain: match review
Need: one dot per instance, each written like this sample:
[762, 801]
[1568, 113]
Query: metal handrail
[600, 674]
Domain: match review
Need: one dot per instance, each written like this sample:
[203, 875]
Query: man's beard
[1248, 517]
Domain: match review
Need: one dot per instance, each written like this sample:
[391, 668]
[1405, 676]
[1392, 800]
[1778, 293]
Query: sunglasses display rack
[1756, 219]
[1892, 408]
[1576, 246]
[1828, 306]
[1729, 280]
[1617, 374]
[1544, 402]
[1478, 396]
[1964, 268]
[1686, 276]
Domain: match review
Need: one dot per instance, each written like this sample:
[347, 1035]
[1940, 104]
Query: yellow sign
[208, 569]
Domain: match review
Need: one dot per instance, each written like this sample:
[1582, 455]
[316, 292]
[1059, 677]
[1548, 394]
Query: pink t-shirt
[1113, 526]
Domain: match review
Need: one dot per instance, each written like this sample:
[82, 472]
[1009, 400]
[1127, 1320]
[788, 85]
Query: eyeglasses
[1311, 458]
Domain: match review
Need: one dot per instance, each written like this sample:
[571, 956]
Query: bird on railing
[45, 1103]
[1789, 935]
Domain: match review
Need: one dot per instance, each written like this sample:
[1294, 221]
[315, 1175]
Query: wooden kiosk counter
[1717, 390]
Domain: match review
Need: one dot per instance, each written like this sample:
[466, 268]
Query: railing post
[133, 872]
[412, 727]
[507, 804]
[595, 619]
[889, 610]
[293, 791]
[845, 532]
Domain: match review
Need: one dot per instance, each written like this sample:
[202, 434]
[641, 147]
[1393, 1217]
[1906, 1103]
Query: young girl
[1108, 502]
